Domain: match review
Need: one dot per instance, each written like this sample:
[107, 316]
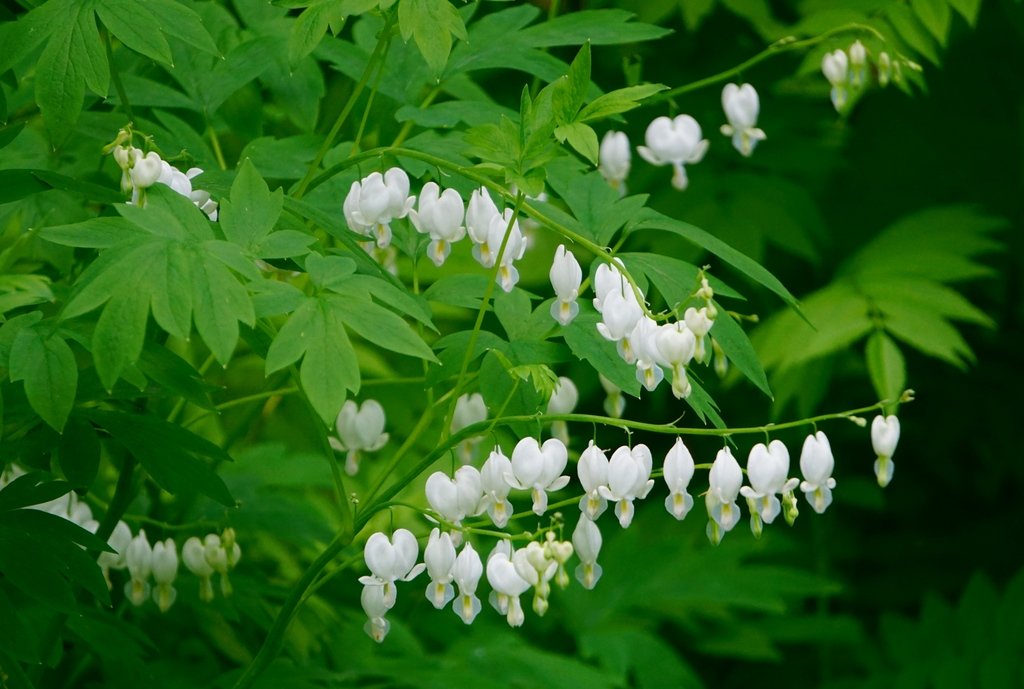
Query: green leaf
[135, 26]
[48, 367]
[219, 303]
[736, 345]
[568, 93]
[581, 137]
[311, 25]
[432, 23]
[172, 456]
[175, 375]
[252, 211]
[329, 367]
[968, 9]
[451, 113]
[936, 16]
[329, 272]
[180, 21]
[746, 265]
[675, 279]
[599, 27]
[171, 300]
[617, 102]
[78, 454]
[294, 338]
[513, 310]
[60, 87]
[95, 233]
[887, 369]
[586, 343]
[911, 30]
[381, 326]
[87, 52]
[120, 331]
[598, 209]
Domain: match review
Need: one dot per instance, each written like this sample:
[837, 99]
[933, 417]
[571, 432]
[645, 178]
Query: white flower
[391, 560]
[193, 554]
[674, 142]
[560, 552]
[139, 560]
[677, 344]
[629, 478]
[440, 215]
[376, 606]
[742, 106]
[535, 564]
[835, 67]
[592, 470]
[699, 321]
[439, 557]
[562, 401]
[725, 479]
[496, 488]
[119, 540]
[884, 69]
[858, 56]
[469, 409]
[885, 434]
[222, 553]
[816, 464]
[507, 585]
[767, 469]
[455, 498]
[146, 169]
[479, 213]
[467, 572]
[607, 279]
[619, 317]
[515, 247]
[375, 201]
[566, 277]
[586, 540]
[538, 468]
[165, 569]
[615, 402]
[649, 360]
[678, 473]
[614, 157]
[359, 429]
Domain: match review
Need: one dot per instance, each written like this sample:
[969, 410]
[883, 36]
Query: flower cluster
[139, 171]
[616, 479]
[640, 340]
[847, 72]
[497, 238]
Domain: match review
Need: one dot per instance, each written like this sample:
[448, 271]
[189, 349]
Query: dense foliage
[282, 280]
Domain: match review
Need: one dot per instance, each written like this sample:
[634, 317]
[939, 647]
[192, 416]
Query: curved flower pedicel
[674, 142]
[538, 468]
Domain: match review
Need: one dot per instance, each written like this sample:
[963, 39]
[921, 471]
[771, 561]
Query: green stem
[369, 100]
[407, 127]
[784, 45]
[383, 41]
[275, 637]
[115, 76]
[488, 292]
[218, 152]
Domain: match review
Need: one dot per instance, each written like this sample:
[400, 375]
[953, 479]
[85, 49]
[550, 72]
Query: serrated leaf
[47, 365]
[887, 368]
[135, 26]
[120, 331]
[381, 326]
[252, 211]
[329, 367]
[219, 302]
[60, 87]
[180, 21]
[581, 137]
[169, 453]
[431, 23]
